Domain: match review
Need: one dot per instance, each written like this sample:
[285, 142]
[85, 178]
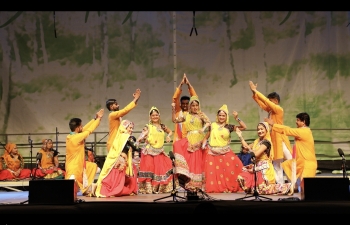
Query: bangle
[239, 120]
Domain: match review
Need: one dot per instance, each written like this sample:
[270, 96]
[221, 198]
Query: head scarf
[194, 98]
[224, 109]
[9, 147]
[124, 125]
[267, 137]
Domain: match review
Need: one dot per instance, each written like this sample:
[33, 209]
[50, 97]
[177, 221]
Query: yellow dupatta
[113, 155]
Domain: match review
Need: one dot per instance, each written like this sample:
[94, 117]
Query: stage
[16, 202]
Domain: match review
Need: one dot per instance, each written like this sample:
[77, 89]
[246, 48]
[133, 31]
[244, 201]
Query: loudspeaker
[325, 189]
[52, 192]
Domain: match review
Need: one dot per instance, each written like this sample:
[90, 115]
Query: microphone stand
[344, 167]
[38, 158]
[57, 139]
[256, 193]
[31, 155]
[174, 192]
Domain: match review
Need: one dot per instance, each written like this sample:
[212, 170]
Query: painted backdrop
[59, 65]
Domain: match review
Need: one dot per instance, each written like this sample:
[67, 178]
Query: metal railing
[98, 141]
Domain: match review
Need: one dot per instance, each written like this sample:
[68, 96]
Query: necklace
[193, 116]
[158, 126]
[221, 126]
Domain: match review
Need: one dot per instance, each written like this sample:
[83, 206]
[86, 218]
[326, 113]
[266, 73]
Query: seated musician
[13, 164]
[48, 165]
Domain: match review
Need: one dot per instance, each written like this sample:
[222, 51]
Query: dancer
[303, 150]
[115, 115]
[181, 105]
[155, 172]
[77, 168]
[118, 176]
[281, 145]
[263, 167]
[222, 165]
[188, 151]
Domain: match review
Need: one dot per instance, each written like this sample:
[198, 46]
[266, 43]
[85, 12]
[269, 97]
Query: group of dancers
[203, 158]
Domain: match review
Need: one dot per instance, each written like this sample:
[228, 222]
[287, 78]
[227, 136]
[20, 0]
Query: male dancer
[181, 105]
[115, 115]
[281, 145]
[304, 147]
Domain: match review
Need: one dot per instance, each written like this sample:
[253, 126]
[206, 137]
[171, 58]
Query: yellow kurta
[219, 137]
[114, 122]
[305, 150]
[276, 114]
[75, 156]
[155, 139]
[176, 100]
[191, 127]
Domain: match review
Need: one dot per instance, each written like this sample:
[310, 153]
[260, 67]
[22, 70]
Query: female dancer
[118, 175]
[222, 165]
[188, 151]
[263, 167]
[155, 170]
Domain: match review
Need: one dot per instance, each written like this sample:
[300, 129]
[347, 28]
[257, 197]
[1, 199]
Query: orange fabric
[276, 114]
[305, 150]
[75, 154]
[9, 147]
[47, 163]
[114, 119]
[47, 159]
[11, 165]
[176, 100]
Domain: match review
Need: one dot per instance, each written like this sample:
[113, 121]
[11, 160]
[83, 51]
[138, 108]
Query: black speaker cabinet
[51, 192]
[325, 189]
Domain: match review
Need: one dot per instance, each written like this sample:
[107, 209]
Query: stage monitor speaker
[325, 189]
[51, 192]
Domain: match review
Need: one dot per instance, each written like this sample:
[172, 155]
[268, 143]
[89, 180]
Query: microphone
[252, 154]
[38, 157]
[29, 140]
[171, 154]
[341, 153]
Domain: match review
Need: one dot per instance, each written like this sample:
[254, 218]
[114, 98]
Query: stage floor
[16, 202]
[15, 197]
